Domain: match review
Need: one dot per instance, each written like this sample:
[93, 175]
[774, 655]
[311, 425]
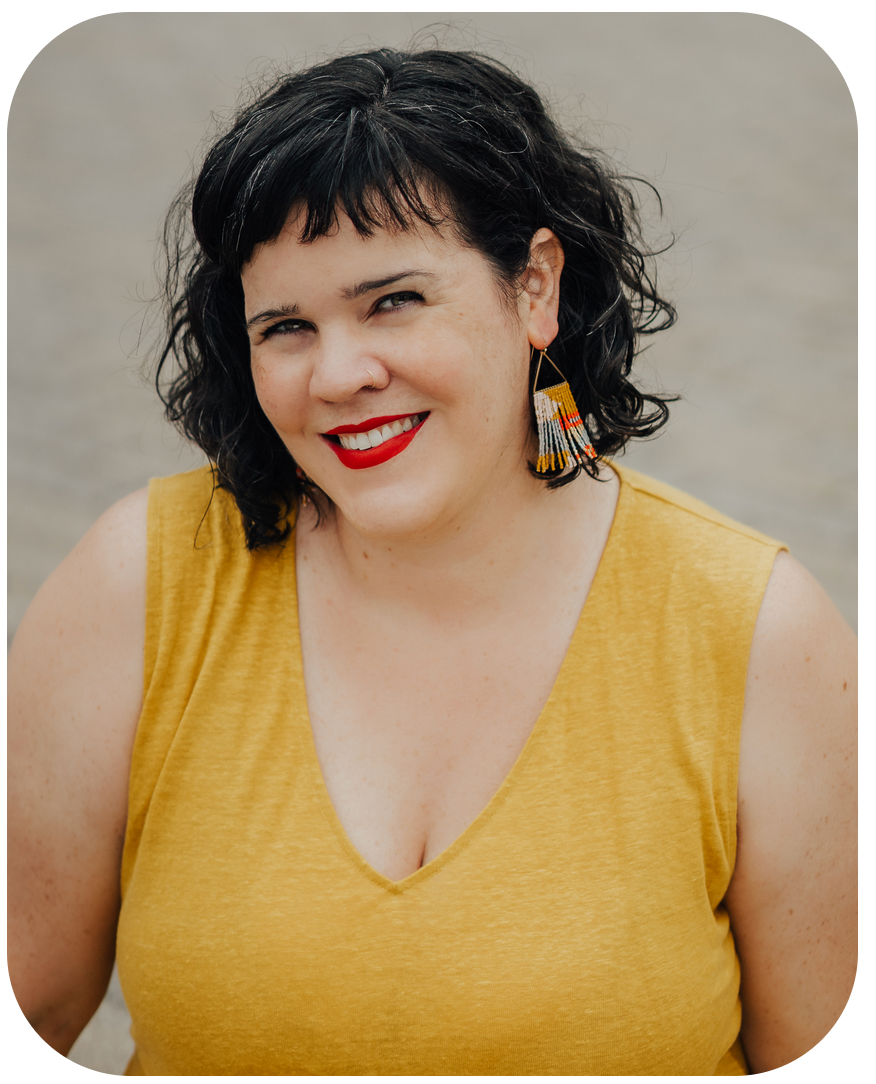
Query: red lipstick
[357, 459]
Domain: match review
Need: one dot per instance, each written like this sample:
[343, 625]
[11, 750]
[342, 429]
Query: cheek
[278, 391]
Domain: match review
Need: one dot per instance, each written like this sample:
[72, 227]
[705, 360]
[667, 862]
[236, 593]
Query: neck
[513, 540]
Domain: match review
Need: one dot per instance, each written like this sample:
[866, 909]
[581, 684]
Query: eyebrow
[349, 293]
[362, 288]
[272, 314]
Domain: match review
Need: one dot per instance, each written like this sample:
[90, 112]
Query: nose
[343, 367]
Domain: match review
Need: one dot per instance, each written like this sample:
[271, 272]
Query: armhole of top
[737, 641]
[760, 580]
[153, 582]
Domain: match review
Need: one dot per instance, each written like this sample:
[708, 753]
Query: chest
[417, 724]
[580, 904]
[570, 912]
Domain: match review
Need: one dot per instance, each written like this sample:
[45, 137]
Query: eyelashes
[404, 297]
[390, 303]
[285, 327]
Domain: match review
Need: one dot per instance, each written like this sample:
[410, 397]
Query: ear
[540, 296]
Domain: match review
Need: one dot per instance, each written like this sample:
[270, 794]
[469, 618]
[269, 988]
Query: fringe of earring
[562, 436]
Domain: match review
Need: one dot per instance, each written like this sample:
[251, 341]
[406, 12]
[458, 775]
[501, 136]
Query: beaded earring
[562, 436]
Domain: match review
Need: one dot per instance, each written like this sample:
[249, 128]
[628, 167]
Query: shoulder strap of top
[681, 597]
[187, 517]
[197, 560]
[671, 496]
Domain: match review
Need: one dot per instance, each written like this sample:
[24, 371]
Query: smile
[374, 441]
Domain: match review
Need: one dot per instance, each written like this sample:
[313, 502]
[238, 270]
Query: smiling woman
[449, 745]
[447, 360]
[484, 171]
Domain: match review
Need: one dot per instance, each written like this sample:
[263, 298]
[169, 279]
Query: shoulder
[107, 569]
[76, 663]
[102, 578]
[799, 725]
[76, 660]
[801, 686]
[698, 566]
[193, 489]
[75, 691]
[792, 897]
[671, 507]
[190, 513]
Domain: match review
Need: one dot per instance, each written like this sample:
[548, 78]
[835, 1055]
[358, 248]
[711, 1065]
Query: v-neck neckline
[474, 827]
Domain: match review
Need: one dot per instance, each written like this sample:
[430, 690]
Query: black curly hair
[386, 137]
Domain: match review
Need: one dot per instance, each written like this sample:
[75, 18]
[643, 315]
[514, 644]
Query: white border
[841, 30]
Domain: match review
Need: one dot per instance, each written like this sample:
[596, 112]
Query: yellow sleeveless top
[575, 927]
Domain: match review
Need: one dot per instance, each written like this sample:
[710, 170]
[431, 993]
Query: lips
[391, 446]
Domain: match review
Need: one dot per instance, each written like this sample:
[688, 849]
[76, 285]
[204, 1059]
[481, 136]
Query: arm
[75, 687]
[792, 899]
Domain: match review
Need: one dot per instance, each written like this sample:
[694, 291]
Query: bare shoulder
[108, 564]
[115, 547]
[90, 611]
[75, 694]
[792, 900]
[85, 627]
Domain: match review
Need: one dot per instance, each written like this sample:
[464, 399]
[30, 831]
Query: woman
[457, 749]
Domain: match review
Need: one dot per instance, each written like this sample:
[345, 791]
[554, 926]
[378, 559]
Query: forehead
[344, 254]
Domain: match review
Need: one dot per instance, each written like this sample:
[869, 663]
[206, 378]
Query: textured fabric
[576, 926]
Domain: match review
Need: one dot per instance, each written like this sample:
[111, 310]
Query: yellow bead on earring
[562, 436]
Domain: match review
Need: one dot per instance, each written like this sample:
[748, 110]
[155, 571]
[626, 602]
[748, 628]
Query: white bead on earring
[562, 435]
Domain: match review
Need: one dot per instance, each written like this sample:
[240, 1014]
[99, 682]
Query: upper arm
[792, 899]
[75, 694]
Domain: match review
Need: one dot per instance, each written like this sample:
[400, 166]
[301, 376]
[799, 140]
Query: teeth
[375, 437]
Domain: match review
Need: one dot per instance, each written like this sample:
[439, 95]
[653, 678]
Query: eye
[397, 301]
[286, 327]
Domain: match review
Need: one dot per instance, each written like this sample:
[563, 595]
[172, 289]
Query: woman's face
[420, 316]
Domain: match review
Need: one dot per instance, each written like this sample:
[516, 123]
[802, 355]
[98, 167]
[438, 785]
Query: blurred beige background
[742, 122]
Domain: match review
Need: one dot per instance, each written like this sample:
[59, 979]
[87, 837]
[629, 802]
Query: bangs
[383, 191]
[360, 168]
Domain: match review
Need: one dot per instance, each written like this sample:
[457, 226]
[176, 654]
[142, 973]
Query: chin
[399, 510]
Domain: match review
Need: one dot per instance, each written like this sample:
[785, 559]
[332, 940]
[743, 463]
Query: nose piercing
[373, 383]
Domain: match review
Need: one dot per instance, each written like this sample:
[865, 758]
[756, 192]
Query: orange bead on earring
[562, 435]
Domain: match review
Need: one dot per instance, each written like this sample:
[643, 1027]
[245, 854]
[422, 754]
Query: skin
[793, 898]
[428, 579]
[435, 557]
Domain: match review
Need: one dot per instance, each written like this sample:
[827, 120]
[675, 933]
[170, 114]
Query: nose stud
[373, 383]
